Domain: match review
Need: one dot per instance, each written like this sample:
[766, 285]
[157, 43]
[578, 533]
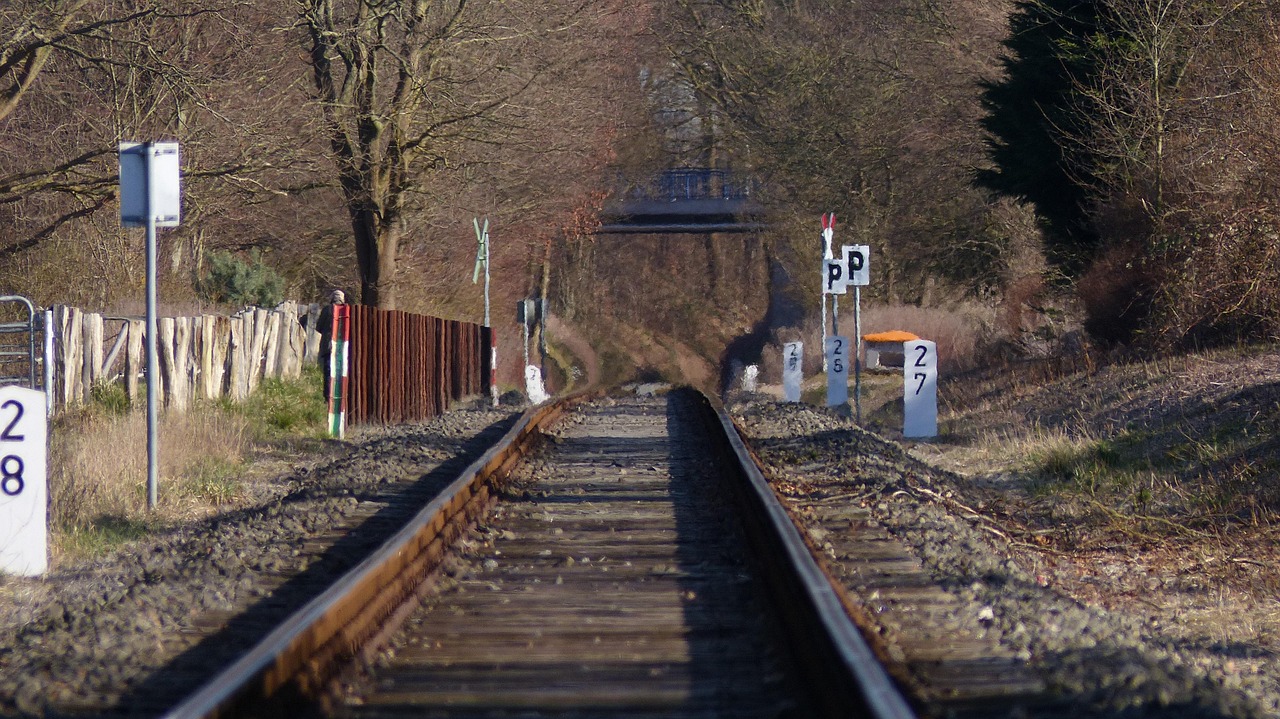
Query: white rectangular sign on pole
[24, 493]
[792, 370]
[857, 265]
[837, 354]
[833, 277]
[920, 389]
[151, 197]
[150, 182]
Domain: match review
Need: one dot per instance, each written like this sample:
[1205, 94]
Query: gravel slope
[1094, 661]
[113, 637]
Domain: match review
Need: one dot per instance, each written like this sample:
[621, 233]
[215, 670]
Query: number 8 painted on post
[11, 482]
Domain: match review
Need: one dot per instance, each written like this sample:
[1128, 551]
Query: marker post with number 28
[24, 491]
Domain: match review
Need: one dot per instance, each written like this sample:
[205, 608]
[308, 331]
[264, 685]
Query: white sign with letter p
[857, 265]
[24, 493]
[834, 281]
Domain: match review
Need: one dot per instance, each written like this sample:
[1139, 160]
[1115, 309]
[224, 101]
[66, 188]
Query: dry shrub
[1225, 291]
[1116, 294]
[98, 462]
[962, 332]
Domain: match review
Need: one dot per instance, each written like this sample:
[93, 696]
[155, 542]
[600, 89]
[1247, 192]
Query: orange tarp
[890, 336]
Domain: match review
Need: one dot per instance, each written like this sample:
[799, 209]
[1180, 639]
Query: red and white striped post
[338, 360]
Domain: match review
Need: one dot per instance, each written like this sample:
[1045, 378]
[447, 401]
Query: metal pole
[493, 350]
[31, 345]
[48, 362]
[153, 359]
[824, 332]
[524, 329]
[835, 314]
[487, 250]
[857, 352]
[542, 333]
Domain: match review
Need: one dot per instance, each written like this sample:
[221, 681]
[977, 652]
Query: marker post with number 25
[24, 491]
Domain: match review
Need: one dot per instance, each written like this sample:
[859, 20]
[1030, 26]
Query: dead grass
[962, 331]
[1147, 486]
[1180, 447]
[207, 457]
[98, 468]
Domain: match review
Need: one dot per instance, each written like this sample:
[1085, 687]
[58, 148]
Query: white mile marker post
[24, 493]
[792, 370]
[919, 389]
[837, 354]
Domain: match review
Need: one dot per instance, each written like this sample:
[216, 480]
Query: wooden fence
[406, 367]
[206, 357]
[403, 366]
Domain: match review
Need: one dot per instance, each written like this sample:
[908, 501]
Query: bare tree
[865, 109]
[210, 73]
[408, 89]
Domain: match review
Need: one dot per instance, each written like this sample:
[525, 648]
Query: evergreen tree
[1034, 113]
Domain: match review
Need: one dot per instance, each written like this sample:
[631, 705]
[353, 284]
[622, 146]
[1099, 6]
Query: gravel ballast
[1092, 661]
[131, 634]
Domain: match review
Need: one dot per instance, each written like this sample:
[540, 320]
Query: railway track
[636, 565]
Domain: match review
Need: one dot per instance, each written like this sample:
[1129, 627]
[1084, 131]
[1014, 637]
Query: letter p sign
[833, 277]
[857, 259]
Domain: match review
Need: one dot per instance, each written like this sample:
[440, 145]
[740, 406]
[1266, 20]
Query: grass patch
[212, 480]
[1218, 444]
[110, 398]
[98, 460]
[281, 408]
[99, 536]
[1089, 465]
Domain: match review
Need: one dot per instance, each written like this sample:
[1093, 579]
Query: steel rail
[300, 656]
[830, 644]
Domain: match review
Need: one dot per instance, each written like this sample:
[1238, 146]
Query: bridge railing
[694, 183]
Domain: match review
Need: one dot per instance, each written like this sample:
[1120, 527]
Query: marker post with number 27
[24, 492]
[919, 389]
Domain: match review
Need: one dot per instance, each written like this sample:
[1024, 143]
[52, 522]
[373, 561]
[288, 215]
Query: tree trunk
[376, 248]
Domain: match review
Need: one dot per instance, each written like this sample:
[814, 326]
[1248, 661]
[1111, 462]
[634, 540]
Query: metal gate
[19, 360]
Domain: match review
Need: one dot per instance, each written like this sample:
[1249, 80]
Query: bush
[234, 281]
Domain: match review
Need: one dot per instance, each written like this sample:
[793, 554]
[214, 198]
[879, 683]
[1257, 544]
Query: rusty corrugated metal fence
[406, 366]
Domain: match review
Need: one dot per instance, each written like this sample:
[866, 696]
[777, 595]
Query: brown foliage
[1184, 125]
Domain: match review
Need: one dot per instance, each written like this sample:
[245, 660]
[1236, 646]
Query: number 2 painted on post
[8, 435]
[11, 481]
